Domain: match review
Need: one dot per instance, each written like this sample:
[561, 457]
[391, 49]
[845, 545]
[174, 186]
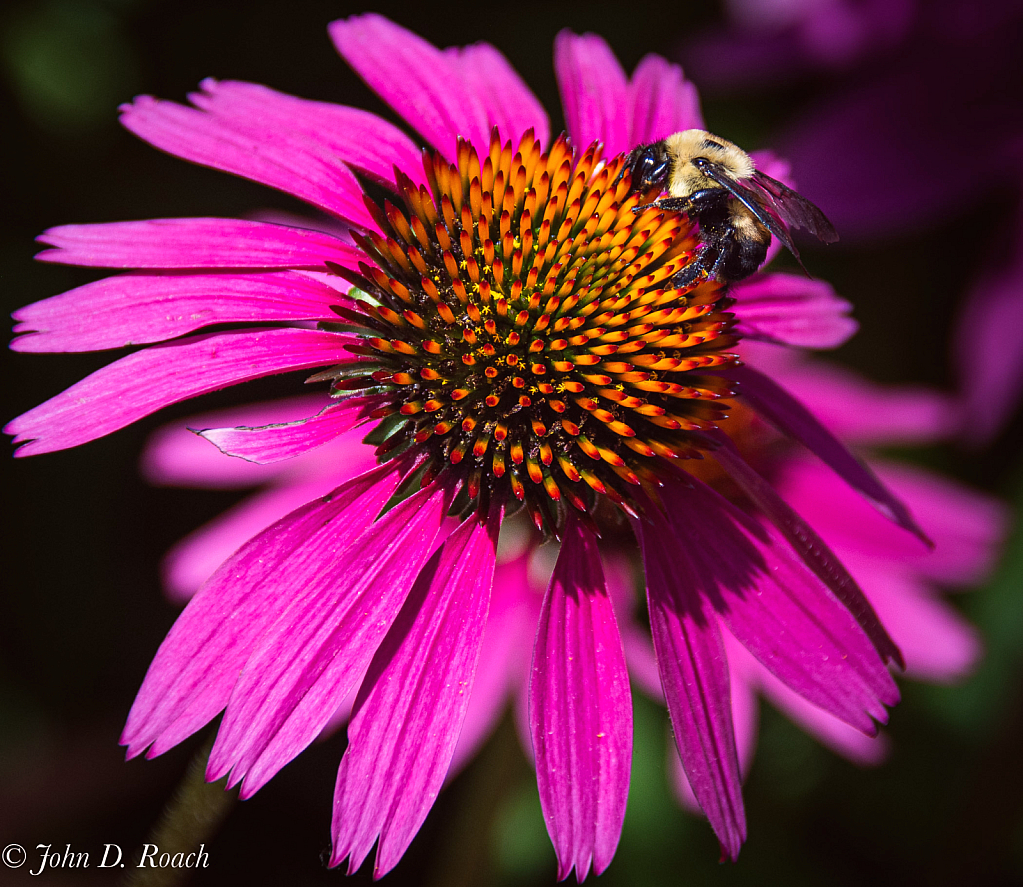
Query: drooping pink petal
[594, 92]
[415, 78]
[269, 154]
[407, 715]
[345, 597]
[580, 711]
[780, 408]
[197, 665]
[940, 646]
[847, 741]
[809, 546]
[777, 608]
[194, 243]
[508, 103]
[273, 443]
[146, 381]
[791, 310]
[175, 456]
[502, 668]
[745, 717]
[745, 708]
[966, 525]
[860, 412]
[356, 137]
[989, 347]
[136, 309]
[694, 675]
[663, 101]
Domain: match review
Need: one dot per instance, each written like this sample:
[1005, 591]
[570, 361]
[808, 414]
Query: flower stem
[191, 817]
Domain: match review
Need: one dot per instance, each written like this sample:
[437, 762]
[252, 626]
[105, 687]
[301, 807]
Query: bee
[738, 208]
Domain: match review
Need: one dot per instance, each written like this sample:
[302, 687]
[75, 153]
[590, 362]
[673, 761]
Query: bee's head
[649, 166]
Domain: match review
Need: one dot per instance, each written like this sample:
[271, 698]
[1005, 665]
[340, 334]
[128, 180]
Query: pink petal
[415, 78]
[777, 608]
[146, 381]
[520, 714]
[791, 310]
[780, 408]
[663, 101]
[344, 596]
[940, 646]
[967, 526]
[356, 137]
[857, 411]
[639, 651]
[694, 674]
[989, 345]
[581, 711]
[502, 666]
[135, 309]
[809, 546]
[407, 715]
[194, 243]
[837, 735]
[192, 560]
[273, 443]
[594, 92]
[745, 709]
[777, 167]
[193, 672]
[174, 456]
[508, 103]
[269, 154]
[745, 716]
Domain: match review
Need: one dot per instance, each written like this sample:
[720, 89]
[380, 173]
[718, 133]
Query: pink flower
[900, 576]
[505, 328]
[876, 145]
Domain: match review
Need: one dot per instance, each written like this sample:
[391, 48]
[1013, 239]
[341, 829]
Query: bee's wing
[794, 209]
[755, 200]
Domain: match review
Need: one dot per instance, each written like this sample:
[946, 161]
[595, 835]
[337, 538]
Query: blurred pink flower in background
[919, 126]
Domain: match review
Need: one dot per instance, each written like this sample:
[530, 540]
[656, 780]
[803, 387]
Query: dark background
[83, 612]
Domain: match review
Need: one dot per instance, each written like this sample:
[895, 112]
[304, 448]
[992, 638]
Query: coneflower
[504, 326]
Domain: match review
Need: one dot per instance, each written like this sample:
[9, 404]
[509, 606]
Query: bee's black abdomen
[742, 256]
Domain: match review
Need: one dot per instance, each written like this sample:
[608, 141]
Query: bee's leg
[692, 274]
[677, 204]
[673, 204]
[697, 271]
[693, 204]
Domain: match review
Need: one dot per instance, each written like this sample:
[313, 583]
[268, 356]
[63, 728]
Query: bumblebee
[738, 208]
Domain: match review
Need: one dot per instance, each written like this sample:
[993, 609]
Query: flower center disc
[523, 330]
